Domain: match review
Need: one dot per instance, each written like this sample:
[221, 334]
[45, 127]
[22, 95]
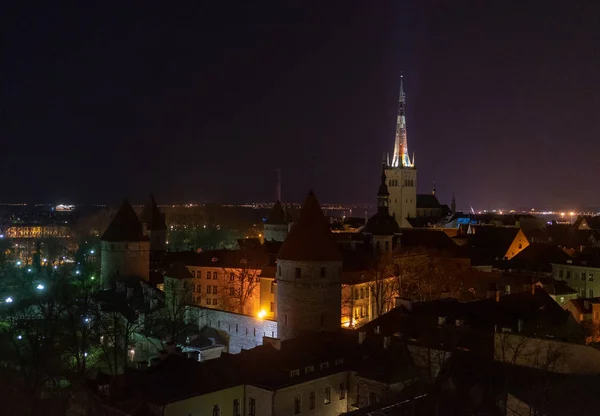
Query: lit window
[294, 373]
[252, 406]
[217, 410]
[309, 369]
[324, 365]
[215, 274]
[327, 396]
[214, 290]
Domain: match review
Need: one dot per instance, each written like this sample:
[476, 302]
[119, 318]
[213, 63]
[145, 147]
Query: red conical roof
[310, 238]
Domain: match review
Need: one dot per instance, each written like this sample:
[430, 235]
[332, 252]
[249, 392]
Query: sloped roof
[538, 257]
[310, 238]
[427, 201]
[277, 215]
[125, 226]
[152, 216]
[382, 223]
[178, 270]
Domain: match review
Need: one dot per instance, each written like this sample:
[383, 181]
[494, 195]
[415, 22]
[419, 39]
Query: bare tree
[243, 285]
[381, 284]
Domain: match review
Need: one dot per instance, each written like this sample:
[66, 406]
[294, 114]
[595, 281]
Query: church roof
[125, 226]
[310, 238]
[152, 216]
[427, 201]
[277, 215]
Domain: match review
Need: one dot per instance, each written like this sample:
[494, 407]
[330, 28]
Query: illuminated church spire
[401, 157]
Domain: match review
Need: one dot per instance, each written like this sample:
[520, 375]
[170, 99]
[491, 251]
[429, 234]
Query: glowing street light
[18, 262]
[262, 313]
[40, 287]
[92, 251]
[92, 277]
[8, 300]
[45, 260]
[29, 270]
[19, 336]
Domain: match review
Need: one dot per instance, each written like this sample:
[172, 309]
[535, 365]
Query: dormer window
[325, 365]
[294, 373]
[309, 369]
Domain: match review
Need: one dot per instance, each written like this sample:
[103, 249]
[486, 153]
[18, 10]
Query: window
[199, 288]
[312, 400]
[568, 274]
[324, 365]
[327, 397]
[372, 398]
[207, 301]
[294, 373]
[309, 369]
[193, 273]
[214, 290]
[231, 277]
[215, 302]
[273, 286]
[217, 410]
[208, 290]
[362, 292]
[215, 275]
[297, 405]
[591, 292]
[356, 294]
[231, 291]
[582, 275]
[342, 391]
[362, 312]
[323, 272]
[236, 407]
[298, 273]
[339, 361]
[591, 277]
[279, 270]
[251, 407]
[272, 306]
[208, 275]
[387, 246]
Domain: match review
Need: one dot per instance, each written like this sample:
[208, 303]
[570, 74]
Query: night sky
[204, 103]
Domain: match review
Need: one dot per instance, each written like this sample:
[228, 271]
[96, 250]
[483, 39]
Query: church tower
[401, 173]
[382, 227]
[309, 268]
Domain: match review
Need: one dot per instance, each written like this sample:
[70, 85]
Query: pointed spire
[433, 190]
[453, 205]
[125, 226]
[401, 157]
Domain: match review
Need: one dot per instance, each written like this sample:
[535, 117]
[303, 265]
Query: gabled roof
[538, 257]
[277, 215]
[310, 238]
[152, 216]
[177, 270]
[125, 226]
[427, 201]
[382, 223]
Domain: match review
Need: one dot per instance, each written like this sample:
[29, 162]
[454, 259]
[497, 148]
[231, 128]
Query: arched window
[387, 246]
[378, 246]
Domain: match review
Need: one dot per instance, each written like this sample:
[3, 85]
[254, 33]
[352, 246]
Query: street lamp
[40, 287]
[9, 300]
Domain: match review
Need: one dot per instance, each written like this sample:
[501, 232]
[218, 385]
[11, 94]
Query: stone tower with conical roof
[276, 226]
[309, 268]
[125, 248]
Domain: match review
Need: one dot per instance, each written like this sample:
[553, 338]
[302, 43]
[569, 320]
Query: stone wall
[308, 302]
[402, 185]
[275, 232]
[244, 332]
[125, 259]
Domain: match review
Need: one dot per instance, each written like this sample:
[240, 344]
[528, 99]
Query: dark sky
[203, 103]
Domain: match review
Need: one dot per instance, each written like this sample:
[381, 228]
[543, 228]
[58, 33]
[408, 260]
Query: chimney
[275, 342]
[387, 342]
[129, 292]
[407, 303]
[361, 336]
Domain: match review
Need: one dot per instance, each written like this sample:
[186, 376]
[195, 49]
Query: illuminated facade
[401, 172]
[38, 231]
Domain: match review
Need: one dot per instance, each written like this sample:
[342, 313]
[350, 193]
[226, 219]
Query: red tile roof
[310, 238]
